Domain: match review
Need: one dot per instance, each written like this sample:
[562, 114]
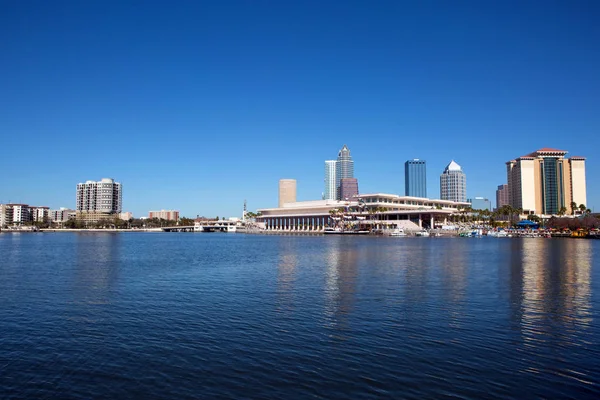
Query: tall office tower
[348, 188]
[453, 183]
[330, 192]
[415, 178]
[104, 196]
[287, 191]
[544, 181]
[502, 198]
[344, 168]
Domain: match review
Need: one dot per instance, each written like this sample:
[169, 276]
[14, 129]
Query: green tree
[573, 207]
[562, 211]
[582, 208]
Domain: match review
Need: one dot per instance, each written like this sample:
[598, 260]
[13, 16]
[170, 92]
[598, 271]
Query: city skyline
[161, 96]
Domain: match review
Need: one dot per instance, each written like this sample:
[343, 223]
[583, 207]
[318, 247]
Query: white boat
[398, 232]
[338, 231]
[422, 233]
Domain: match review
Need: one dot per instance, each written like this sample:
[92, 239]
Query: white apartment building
[169, 215]
[104, 196]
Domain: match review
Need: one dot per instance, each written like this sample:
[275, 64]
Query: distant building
[480, 203]
[169, 215]
[545, 181]
[348, 188]
[61, 215]
[330, 192]
[453, 183]
[102, 196]
[415, 178]
[126, 216]
[502, 198]
[287, 191]
[19, 214]
[344, 168]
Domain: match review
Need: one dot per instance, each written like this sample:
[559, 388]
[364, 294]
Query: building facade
[480, 203]
[453, 183]
[104, 196]
[169, 215]
[344, 168]
[348, 188]
[287, 191]
[62, 215]
[21, 214]
[545, 182]
[330, 192]
[502, 197]
[415, 178]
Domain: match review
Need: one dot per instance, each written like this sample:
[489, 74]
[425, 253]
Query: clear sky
[199, 105]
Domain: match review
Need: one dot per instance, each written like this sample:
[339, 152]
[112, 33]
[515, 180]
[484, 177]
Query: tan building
[543, 182]
[169, 215]
[287, 191]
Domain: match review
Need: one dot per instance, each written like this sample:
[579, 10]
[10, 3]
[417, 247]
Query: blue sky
[199, 105]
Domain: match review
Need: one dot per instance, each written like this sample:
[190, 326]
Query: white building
[330, 192]
[453, 183]
[104, 196]
[61, 215]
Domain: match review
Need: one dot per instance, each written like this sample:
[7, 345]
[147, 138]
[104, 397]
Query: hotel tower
[545, 181]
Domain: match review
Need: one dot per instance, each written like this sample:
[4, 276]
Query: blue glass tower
[415, 178]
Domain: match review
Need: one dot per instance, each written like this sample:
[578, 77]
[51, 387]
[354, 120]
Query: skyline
[191, 99]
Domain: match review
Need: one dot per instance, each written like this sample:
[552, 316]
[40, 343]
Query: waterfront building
[19, 214]
[126, 216]
[330, 192]
[377, 209]
[502, 197]
[102, 196]
[344, 168]
[453, 183]
[169, 215]
[415, 178]
[287, 191]
[61, 215]
[480, 203]
[40, 214]
[543, 182]
[348, 188]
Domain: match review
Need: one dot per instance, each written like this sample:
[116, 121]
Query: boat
[422, 233]
[398, 232]
[339, 231]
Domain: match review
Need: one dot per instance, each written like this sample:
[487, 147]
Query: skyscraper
[287, 191]
[502, 197]
[348, 188]
[330, 192]
[453, 183]
[344, 168]
[104, 196]
[545, 181]
[415, 178]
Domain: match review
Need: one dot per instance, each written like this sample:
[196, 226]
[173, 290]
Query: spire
[453, 166]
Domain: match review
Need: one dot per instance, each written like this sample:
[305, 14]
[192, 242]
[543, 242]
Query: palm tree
[573, 207]
[582, 208]
[562, 211]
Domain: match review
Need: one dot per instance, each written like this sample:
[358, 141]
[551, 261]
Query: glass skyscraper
[415, 178]
[344, 168]
[330, 192]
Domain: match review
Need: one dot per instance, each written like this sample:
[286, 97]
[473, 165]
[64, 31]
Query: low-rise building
[480, 203]
[126, 216]
[169, 215]
[61, 215]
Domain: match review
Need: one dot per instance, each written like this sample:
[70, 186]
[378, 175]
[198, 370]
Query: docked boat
[422, 233]
[340, 231]
[398, 232]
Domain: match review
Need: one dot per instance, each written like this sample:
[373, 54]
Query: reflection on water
[341, 264]
[555, 288]
[286, 274]
[97, 266]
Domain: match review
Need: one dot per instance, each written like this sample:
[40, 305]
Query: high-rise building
[348, 188]
[543, 182]
[415, 178]
[104, 196]
[169, 215]
[344, 168]
[287, 191]
[480, 203]
[502, 197]
[453, 183]
[330, 192]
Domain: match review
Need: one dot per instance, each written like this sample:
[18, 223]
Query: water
[176, 316]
